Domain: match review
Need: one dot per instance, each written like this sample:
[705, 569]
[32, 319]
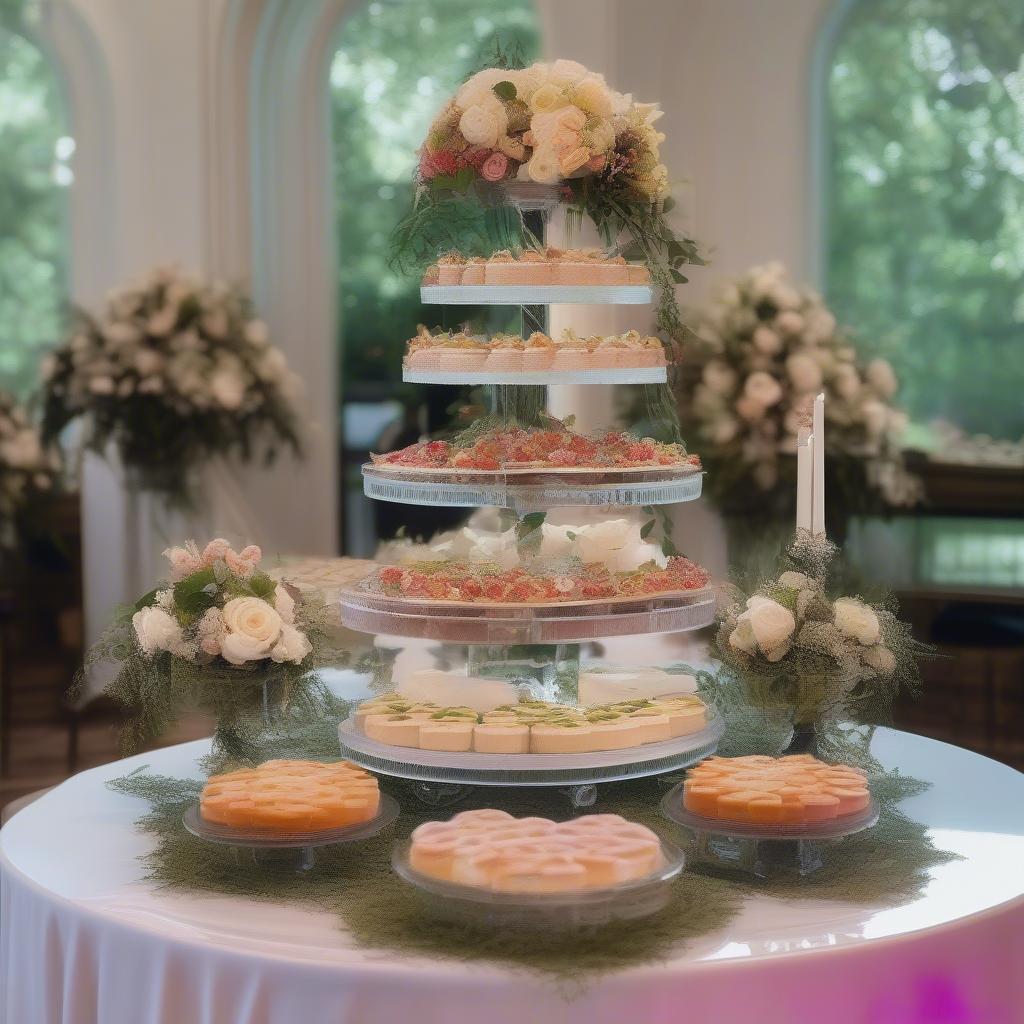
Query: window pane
[395, 65]
[35, 170]
[926, 205]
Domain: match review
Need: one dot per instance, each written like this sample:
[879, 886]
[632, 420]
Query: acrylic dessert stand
[481, 626]
[764, 850]
[294, 851]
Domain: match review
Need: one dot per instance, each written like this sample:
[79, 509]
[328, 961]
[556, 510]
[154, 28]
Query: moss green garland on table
[887, 864]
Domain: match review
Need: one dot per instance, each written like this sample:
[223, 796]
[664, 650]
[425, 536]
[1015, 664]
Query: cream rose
[592, 95]
[881, 659]
[762, 388]
[293, 645]
[284, 604]
[772, 625]
[766, 340]
[804, 372]
[157, 631]
[794, 580]
[719, 377]
[856, 620]
[483, 123]
[253, 629]
[742, 637]
[847, 381]
[543, 166]
[881, 377]
[547, 99]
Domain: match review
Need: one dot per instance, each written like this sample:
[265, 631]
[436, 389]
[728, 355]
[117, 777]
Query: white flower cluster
[615, 543]
[194, 345]
[238, 626]
[763, 349]
[25, 465]
[792, 615]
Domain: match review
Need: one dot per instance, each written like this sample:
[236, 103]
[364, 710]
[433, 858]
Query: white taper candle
[818, 504]
[804, 479]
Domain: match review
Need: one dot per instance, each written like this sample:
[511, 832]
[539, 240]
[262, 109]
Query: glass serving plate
[625, 375]
[547, 912]
[468, 623]
[534, 294]
[471, 768]
[532, 488]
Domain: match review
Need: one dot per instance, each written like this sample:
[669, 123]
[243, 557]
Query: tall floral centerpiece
[760, 351]
[28, 470]
[220, 634]
[174, 372]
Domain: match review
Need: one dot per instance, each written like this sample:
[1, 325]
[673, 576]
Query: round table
[85, 940]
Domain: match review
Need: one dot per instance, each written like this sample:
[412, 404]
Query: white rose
[257, 333]
[147, 361]
[228, 388]
[742, 637]
[22, 451]
[772, 624]
[856, 620]
[483, 123]
[215, 323]
[881, 377]
[567, 72]
[101, 385]
[847, 381]
[789, 322]
[804, 372]
[766, 340]
[543, 166]
[784, 297]
[821, 325]
[592, 95]
[285, 605]
[273, 365]
[480, 87]
[762, 388]
[253, 629]
[156, 630]
[881, 659]
[293, 645]
[162, 321]
[119, 333]
[719, 377]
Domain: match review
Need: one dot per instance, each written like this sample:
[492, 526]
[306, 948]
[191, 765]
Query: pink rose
[495, 167]
[596, 163]
[243, 563]
[183, 562]
[215, 549]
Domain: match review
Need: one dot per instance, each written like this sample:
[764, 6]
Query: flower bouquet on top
[174, 372]
[555, 126]
[27, 469]
[219, 634]
[796, 648]
[760, 352]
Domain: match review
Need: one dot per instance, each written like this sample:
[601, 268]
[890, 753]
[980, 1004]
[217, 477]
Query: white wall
[175, 182]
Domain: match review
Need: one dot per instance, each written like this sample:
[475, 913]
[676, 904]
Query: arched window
[394, 67]
[35, 170]
[924, 179]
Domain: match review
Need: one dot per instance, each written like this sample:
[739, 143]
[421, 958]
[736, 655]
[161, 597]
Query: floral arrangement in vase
[555, 126]
[760, 352]
[27, 468]
[220, 633]
[796, 648]
[174, 372]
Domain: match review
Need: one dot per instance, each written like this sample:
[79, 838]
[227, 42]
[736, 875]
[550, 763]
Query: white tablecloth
[85, 941]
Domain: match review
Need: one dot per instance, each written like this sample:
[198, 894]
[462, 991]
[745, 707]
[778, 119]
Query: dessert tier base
[554, 770]
[532, 490]
[633, 375]
[527, 624]
[534, 295]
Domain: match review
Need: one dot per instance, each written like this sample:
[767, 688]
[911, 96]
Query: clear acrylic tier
[534, 295]
[764, 850]
[531, 489]
[546, 912]
[475, 769]
[626, 375]
[508, 624]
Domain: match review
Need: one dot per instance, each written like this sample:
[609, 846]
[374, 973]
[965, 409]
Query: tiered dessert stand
[488, 630]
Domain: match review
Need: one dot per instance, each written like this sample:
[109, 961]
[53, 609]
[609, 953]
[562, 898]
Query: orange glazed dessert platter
[291, 796]
[766, 790]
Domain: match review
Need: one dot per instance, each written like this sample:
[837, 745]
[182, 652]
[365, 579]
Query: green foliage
[926, 209]
[32, 203]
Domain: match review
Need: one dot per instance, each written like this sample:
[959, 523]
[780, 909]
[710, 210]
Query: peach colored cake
[793, 790]
[291, 796]
[490, 849]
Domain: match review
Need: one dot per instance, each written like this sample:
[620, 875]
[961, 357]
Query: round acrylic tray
[534, 294]
[475, 769]
[764, 850]
[562, 911]
[625, 375]
[467, 623]
[532, 489]
[301, 843]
